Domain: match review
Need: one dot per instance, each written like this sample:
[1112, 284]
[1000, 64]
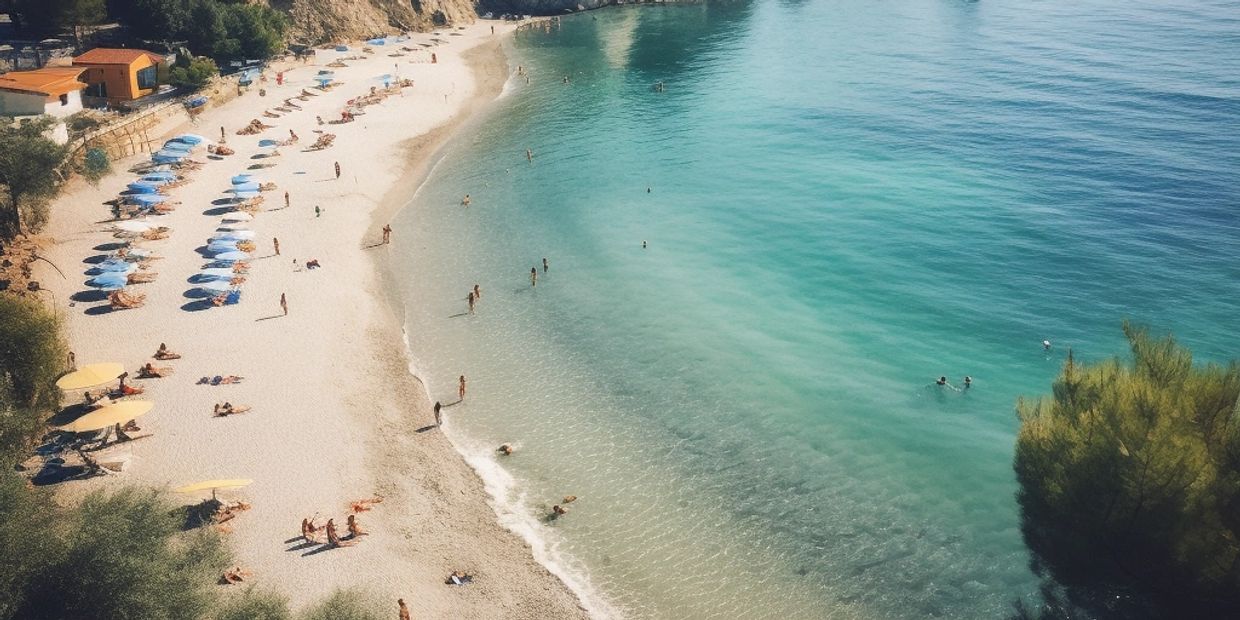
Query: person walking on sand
[533, 276]
[438, 414]
[222, 137]
[317, 211]
[546, 265]
[337, 170]
[275, 242]
[387, 234]
[471, 299]
[434, 58]
[460, 390]
[284, 304]
[287, 202]
[404, 609]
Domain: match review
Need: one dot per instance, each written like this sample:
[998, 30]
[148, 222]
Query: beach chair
[142, 278]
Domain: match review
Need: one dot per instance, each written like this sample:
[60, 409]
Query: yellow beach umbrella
[214, 485]
[105, 417]
[89, 376]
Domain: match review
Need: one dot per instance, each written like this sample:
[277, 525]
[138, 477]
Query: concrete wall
[32, 104]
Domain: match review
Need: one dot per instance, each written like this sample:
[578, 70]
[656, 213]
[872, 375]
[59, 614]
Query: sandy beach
[336, 416]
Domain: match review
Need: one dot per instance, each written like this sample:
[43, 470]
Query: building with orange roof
[119, 74]
[50, 90]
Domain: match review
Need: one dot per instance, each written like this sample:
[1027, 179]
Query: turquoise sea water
[848, 199]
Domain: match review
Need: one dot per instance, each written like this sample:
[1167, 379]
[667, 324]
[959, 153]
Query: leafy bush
[122, 556]
[222, 30]
[1130, 483]
[96, 166]
[32, 357]
[255, 605]
[192, 72]
[345, 605]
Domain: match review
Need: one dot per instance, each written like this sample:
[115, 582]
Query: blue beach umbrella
[245, 195]
[242, 178]
[116, 265]
[110, 281]
[177, 145]
[143, 188]
[168, 157]
[268, 143]
[231, 257]
[342, 48]
[222, 247]
[160, 175]
[249, 186]
[190, 138]
[148, 199]
[323, 80]
[232, 235]
[376, 42]
[215, 287]
[217, 273]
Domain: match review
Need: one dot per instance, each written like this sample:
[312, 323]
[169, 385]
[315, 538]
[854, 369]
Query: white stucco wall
[29, 104]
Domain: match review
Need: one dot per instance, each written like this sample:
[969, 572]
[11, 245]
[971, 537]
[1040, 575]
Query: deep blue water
[847, 200]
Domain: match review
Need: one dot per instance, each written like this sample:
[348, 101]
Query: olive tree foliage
[30, 164]
[1129, 477]
[32, 357]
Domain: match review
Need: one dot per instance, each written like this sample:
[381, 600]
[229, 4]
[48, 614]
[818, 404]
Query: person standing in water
[968, 381]
[1046, 345]
[546, 265]
[465, 201]
[533, 276]
[460, 390]
[529, 155]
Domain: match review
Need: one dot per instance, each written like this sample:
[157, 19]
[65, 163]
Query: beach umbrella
[219, 273]
[148, 200]
[190, 138]
[133, 226]
[323, 80]
[140, 253]
[143, 187]
[110, 281]
[216, 287]
[214, 485]
[232, 235]
[237, 216]
[245, 194]
[231, 257]
[249, 186]
[376, 42]
[242, 178]
[268, 143]
[233, 226]
[89, 376]
[109, 415]
[117, 265]
[342, 48]
[173, 145]
[160, 175]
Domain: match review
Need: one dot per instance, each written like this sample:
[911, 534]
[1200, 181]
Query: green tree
[254, 32]
[125, 557]
[27, 547]
[32, 357]
[345, 605]
[1129, 480]
[29, 172]
[192, 72]
[255, 605]
[54, 16]
[96, 165]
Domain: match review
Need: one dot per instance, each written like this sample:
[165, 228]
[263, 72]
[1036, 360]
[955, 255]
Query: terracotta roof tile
[114, 56]
[51, 81]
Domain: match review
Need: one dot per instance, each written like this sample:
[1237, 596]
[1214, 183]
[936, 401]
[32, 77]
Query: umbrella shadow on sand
[98, 310]
[89, 296]
[198, 515]
[219, 210]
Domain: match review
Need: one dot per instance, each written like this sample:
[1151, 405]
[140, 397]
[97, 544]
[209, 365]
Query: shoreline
[331, 421]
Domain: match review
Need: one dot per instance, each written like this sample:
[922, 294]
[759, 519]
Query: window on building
[64, 99]
[146, 78]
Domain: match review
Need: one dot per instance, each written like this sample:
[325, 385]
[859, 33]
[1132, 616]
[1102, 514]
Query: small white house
[51, 90]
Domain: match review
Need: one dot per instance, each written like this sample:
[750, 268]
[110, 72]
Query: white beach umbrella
[136, 226]
[233, 234]
[238, 216]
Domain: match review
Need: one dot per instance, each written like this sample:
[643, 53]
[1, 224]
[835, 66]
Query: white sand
[336, 416]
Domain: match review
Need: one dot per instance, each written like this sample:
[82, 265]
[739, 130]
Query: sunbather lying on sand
[149, 371]
[458, 578]
[220, 380]
[234, 575]
[362, 505]
[164, 354]
[228, 409]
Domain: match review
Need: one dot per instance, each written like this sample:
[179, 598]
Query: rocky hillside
[317, 21]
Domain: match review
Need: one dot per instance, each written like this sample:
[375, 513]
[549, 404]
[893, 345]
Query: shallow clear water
[848, 199]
